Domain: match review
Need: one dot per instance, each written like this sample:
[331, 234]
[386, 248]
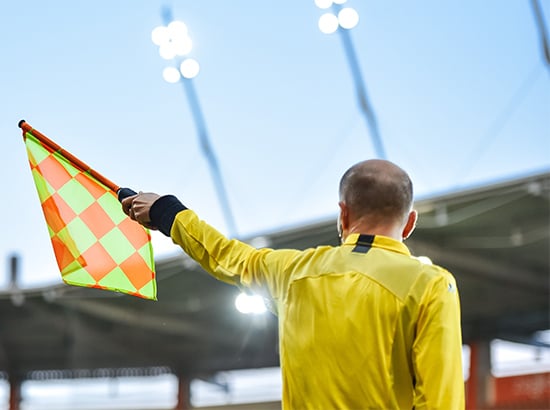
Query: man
[363, 325]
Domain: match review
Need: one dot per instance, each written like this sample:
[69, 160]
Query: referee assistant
[363, 325]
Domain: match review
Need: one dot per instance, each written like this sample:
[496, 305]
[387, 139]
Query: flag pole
[26, 127]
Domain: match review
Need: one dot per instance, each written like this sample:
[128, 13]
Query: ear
[343, 220]
[410, 225]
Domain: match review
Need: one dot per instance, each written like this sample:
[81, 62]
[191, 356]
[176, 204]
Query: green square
[149, 290]
[80, 234]
[50, 231]
[116, 280]
[68, 165]
[78, 278]
[35, 148]
[112, 207]
[44, 189]
[146, 252]
[117, 245]
[76, 196]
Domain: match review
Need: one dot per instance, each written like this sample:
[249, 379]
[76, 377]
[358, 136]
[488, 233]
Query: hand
[137, 207]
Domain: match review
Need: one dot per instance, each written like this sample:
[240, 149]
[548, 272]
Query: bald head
[377, 189]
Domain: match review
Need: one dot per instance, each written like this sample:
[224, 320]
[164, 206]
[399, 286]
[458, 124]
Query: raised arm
[228, 260]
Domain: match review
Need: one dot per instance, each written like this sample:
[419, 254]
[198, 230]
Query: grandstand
[494, 238]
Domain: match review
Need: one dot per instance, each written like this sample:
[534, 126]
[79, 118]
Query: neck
[363, 227]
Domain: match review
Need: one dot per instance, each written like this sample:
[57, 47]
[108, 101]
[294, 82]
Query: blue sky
[460, 89]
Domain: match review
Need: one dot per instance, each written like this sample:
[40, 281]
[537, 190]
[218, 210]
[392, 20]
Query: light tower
[342, 19]
[174, 45]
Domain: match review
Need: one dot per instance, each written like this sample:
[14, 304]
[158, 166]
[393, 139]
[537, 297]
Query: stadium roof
[495, 239]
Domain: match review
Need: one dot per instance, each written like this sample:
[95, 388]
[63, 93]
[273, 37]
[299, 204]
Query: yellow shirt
[362, 326]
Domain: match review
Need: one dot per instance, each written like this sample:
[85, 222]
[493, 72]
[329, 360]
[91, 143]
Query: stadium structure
[494, 238]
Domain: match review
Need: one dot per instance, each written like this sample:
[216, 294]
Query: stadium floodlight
[173, 41]
[344, 17]
[425, 260]
[189, 68]
[250, 304]
[348, 18]
[171, 75]
[323, 4]
[328, 23]
[174, 45]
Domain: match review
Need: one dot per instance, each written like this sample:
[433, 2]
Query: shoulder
[302, 263]
[434, 279]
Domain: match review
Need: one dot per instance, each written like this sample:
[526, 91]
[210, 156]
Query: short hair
[377, 188]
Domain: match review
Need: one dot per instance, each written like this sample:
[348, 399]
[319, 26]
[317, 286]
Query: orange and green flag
[95, 244]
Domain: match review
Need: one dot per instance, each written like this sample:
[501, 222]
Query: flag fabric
[95, 244]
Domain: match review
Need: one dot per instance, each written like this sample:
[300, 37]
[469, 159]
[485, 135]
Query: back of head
[377, 189]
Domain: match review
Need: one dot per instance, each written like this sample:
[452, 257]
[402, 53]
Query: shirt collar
[383, 242]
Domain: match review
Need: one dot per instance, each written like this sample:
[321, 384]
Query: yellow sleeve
[437, 349]
[231, 261]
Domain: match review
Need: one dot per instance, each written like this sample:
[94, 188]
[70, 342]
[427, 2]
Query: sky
[460, 91]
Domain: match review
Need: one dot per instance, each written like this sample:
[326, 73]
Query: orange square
[135, 233]
[137, 270]
[98, 262]
[54, 172]
[57, 213]
[63, 254]
[97, 220]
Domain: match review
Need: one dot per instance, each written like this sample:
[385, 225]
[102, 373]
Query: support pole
[205, 144]
[208, 152]
[543, 33]
[480, 374]
[361, 89]
[184, 393]
[15, 393]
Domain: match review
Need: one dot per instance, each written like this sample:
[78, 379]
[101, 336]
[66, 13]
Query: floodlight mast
[186, 80]
[360, 86]
[543, 33]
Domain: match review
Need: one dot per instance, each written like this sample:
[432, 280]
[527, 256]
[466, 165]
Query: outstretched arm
[231, 261]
